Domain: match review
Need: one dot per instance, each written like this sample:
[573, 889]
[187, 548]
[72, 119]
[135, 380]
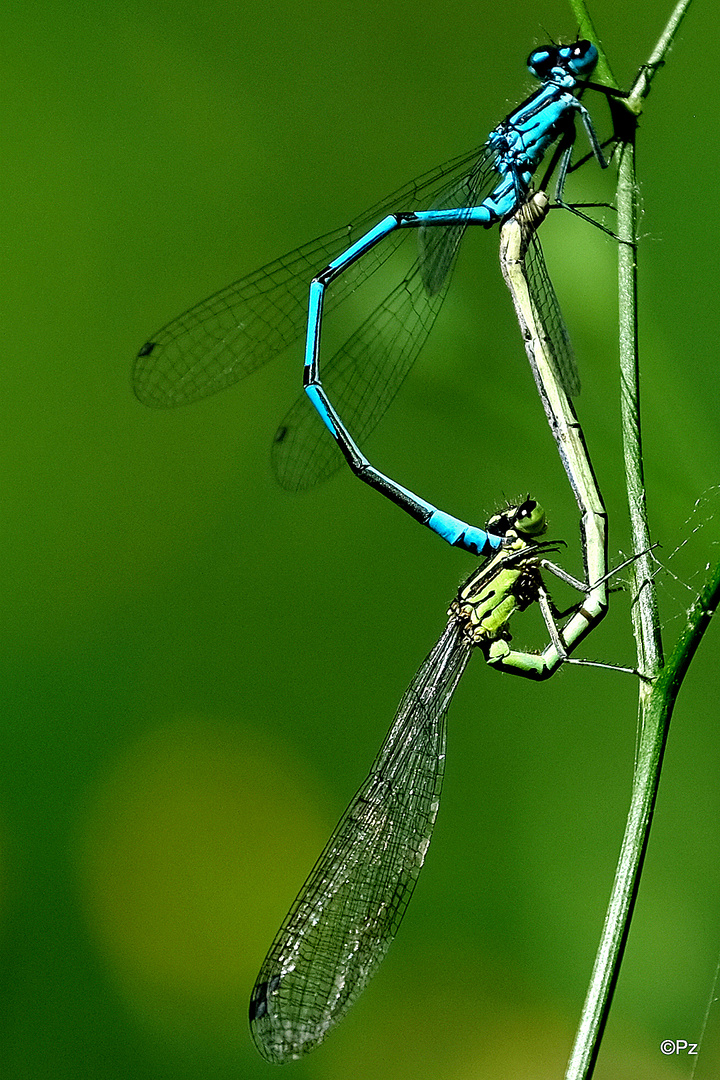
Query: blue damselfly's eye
[579, 58]
[540, 62]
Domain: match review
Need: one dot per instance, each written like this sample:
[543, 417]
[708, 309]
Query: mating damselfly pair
[344, 918]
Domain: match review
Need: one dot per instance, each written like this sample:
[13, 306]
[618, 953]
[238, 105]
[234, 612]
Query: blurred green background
[198, 668]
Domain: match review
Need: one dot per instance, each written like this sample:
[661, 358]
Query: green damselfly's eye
[530, 518]
[527, 518]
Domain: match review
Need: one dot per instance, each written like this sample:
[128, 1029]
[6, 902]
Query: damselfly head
[577, 59]
[526, 519]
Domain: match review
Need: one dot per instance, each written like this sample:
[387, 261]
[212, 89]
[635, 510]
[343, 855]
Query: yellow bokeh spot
[191, 850]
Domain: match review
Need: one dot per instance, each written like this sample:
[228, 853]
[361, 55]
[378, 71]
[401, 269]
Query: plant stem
[641, 88]
[659, 705]
[659, 686]
[646, 621]
[586, 29]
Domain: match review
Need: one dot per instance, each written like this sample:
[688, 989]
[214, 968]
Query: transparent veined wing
[234, 332]
[226, 337]
[438, 246]
[364, 375]
[349, 909]
[547, 311]
[361, 379]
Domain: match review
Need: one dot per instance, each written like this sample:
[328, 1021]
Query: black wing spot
[259, 999]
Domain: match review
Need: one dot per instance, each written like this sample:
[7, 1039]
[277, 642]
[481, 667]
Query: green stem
[586, 29]
[646, 622]
[660, 686]
[641, 88]
[659, 705]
